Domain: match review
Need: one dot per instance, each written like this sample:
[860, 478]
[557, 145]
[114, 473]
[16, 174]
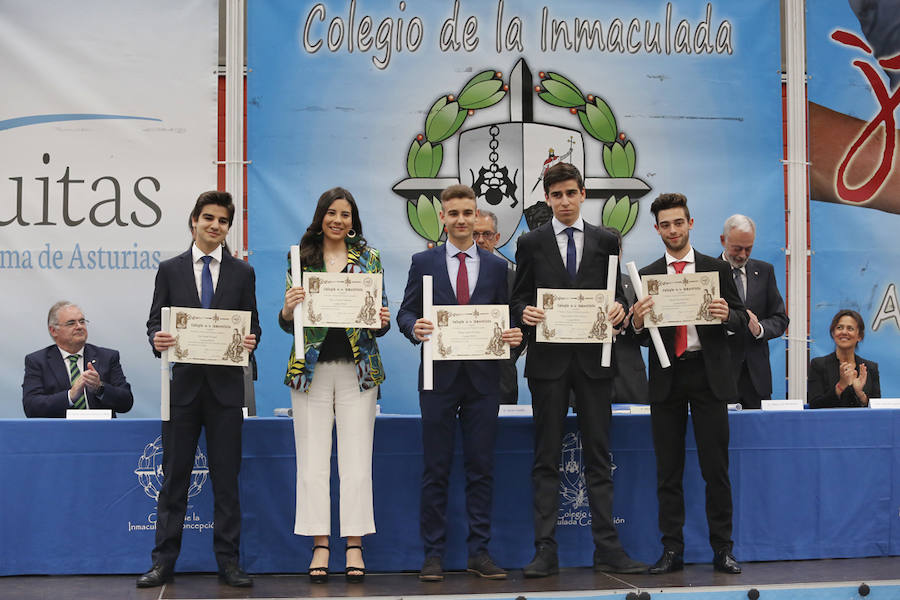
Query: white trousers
[334, 396]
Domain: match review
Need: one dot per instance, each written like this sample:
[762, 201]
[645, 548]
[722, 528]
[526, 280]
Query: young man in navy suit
[755, 282]
[701, 376]
[210, 396]
[462, 274]
[567, 252]
[72, 374]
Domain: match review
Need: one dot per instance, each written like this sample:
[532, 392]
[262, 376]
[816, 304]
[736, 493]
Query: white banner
[107, 136]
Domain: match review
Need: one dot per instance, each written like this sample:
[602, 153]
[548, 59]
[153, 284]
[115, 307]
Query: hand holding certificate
[209, 336]
[349, 300]
[681, 298]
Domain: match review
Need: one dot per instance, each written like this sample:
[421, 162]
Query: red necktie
[680, 330]
[462, 280]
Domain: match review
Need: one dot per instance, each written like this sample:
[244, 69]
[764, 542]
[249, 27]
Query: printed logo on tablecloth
[574, 508]
[150, 475]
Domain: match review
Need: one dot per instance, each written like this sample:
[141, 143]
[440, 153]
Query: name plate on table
[681, 299]
[515, 410]
[89, 414]
[348, 300]
[884, 402]
[639, 409]
[209, 336]
[776, 405]
[574, 316]
[470, 331]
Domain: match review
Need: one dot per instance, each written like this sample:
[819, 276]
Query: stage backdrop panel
[855, 178]
[107, 136]
[396, 101]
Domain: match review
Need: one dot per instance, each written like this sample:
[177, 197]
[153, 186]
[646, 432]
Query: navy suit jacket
[491, 288]
[764, 299]
[713, 338]
[235, 290]
[45, 389]
[540, 265]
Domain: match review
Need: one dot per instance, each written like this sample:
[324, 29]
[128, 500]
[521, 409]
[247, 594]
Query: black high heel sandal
[319, 574]
[359, 573]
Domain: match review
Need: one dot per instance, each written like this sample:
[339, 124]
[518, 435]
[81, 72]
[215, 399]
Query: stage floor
[806, 578]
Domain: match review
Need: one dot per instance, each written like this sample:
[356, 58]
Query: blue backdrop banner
[854, 64]
[395, 101]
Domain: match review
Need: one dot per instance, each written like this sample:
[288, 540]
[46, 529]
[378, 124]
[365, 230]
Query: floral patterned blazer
[369, 369]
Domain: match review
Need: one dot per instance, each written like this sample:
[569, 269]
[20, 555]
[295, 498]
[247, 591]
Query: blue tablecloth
[78, 497]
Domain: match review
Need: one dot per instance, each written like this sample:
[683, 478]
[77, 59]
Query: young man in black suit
[701, 376]
[567, 252]
[755, 282]
[210, 396]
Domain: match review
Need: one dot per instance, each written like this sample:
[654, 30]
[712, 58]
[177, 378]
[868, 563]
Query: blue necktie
[206, 284]
[570, 252]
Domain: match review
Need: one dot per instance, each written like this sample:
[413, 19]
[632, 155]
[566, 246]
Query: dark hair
[562, 172]
[667, 201]
[846, 312]
[311, 242]
[458, 190]
[219, 198]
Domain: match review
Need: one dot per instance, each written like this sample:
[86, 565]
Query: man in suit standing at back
[700, 376]
[567, 252]
[755, 282]
[462, 273]
[210, 396]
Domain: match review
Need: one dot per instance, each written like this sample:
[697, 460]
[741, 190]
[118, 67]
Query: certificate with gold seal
[209, 336]
[348, 300]
[681, 298]
[470, 332]
[573, 316]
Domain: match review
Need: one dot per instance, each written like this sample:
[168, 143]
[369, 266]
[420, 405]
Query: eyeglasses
[483, 234]
[73, 322]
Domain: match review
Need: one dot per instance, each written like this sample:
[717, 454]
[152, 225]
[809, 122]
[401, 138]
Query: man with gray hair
[755, 281]
[70, 373]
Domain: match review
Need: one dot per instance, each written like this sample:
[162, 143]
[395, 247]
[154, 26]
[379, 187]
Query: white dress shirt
[562, 239]
[693, 340]
[214, 266]
[473, 262]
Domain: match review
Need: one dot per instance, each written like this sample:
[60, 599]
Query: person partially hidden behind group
[335, 379]
[843, 379]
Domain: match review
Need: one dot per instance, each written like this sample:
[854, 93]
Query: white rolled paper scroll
[611, 271]
[654, 332]
[164, 369]
[297, 279]
[427, 360]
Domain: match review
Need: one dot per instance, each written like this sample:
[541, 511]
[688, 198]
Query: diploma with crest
[574, 316]
[348, 300]
[209, 336]
[469, 332]
[681, 298]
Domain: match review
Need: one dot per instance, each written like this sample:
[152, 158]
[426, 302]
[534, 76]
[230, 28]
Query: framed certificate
[349, 300]
[209, 336]
[574, 316]
[469, 332]
[681, 298]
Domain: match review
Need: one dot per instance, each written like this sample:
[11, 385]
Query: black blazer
[630, 382]
[539, 265]
[235, 290]
[45, 389]
[824, 373]
[713, 338]
[490, 288]
[764, 299]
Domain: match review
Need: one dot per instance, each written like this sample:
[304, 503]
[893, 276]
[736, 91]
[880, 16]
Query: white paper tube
[654, 332]
[297, 279]
[164, 369]
[611, 271]
[427, 361]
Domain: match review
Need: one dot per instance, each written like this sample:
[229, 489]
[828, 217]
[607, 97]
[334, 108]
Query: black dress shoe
[544, 563]
[669, 562]
[432, 570]
[484, 566]
[725, 562]
[617, 562]
[155, 577]
[233, 575]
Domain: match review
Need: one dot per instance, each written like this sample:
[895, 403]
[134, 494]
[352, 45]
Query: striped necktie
[75, 373]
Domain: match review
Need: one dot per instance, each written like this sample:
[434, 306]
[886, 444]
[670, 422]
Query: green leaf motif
[565, 95]
[411, 158]
[422, 165]
[607, 160]
[480, 77]
[444, 123]
[474, 95]
[564, 81]
[630, 156]
[632, 217]
[413, 217]
[598, 120]
[551, 99]
[608, 207]
[489, 101]
[435, 109]
[428, 218]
